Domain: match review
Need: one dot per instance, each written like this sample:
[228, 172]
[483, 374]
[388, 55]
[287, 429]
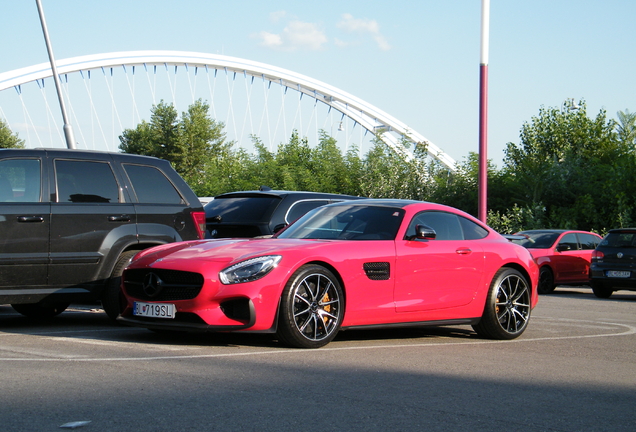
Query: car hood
[219, 250]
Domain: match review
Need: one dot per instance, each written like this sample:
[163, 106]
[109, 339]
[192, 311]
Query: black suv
[70, 221]
[613, 265]
[262, 212]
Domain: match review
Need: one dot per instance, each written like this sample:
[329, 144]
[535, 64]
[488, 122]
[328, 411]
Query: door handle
[119, 218]
[463, 251]
[27, 219]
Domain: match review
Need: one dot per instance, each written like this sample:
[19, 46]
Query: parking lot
[574, 369]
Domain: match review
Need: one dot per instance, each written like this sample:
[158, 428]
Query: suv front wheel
[112, 298]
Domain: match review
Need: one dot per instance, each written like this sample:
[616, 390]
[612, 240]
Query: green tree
[194, 144]
[7, 138]
[568, 164]
[626, 128]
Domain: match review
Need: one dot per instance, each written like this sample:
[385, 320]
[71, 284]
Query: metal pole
[483, 113]
[68, 129]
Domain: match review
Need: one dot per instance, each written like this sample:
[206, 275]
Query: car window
[299, 208]
[85, 181]
[620, 240]
[446, 225]
[347, 223]
[588, 241]
[537, 240]
[151, 185]
[570, 241]
[20, 180]
[248, 209]
[472, 231]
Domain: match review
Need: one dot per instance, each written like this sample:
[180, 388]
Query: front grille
[173, 284]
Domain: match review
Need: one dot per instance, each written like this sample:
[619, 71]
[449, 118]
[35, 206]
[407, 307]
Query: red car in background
[563, 256]
[354, 264]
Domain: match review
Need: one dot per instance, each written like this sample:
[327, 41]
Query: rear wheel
[507, 310]
[312, 308]
[601, 291]
[40, 310]
[113, 300]
[546, 281]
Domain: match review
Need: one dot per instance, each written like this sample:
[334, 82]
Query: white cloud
[364, 27]
[297, 35]
[277, 16]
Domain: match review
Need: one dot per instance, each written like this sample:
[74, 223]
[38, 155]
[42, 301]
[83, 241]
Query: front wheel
[40, 310]
[113, 300]
[546, 281]
[312, 308]
[507, 308]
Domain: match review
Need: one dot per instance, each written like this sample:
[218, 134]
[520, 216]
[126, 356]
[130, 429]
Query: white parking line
[628, 330]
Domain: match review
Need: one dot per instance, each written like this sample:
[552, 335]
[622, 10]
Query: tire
[40, 310]
[601, 291]
[507, 309]
[546, 281]
[312, 308]
[113, 300]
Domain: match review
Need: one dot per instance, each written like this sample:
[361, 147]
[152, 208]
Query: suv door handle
[26, 219]
[463, 251]
[120, 218]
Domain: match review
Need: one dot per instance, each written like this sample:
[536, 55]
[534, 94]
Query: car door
[24, 223]
[163, 215]
[89, 216]
[570, 261]
[441, 273]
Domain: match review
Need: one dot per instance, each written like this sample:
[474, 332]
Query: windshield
[347, 222]
[537, 240]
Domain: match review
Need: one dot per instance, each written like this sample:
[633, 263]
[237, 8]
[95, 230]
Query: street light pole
[68, 129]
[483, 113]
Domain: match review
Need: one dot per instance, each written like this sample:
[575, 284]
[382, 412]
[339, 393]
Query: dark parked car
[261, 212]
[72, 220]
[563, 256]
[613, 264]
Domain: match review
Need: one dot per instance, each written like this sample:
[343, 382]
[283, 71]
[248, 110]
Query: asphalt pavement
[574, 369]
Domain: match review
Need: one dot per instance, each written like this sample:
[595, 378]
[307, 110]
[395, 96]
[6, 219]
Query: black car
[71, 220]
[261, 212]
[613, 265]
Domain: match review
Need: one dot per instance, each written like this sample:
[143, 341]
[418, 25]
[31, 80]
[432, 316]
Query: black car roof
[284, 193]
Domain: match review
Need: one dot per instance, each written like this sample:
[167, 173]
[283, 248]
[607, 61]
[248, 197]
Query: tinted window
[20, 180]
[620, 239]
[446, 225]
[152, 186]
[242, 210]
[85, 181]
[472, 231]
[537, 240]
[301, 207]
[570, 241]
[588, 241]
[347, 223]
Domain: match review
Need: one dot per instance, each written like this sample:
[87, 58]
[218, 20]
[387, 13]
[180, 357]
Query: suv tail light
[199, 222]
[597, 255]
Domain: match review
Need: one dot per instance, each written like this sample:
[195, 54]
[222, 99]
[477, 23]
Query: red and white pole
[483, 113]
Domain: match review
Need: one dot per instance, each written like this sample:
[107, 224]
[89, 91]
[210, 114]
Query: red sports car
[563, 256]
[355, 264]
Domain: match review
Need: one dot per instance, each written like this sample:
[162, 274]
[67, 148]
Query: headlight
[250, 270]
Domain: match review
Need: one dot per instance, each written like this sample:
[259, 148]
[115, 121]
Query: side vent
[377, 270]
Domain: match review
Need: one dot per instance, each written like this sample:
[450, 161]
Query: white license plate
[154, 310]
[618, 274]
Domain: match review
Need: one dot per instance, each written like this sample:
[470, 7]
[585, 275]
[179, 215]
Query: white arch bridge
[104, 93]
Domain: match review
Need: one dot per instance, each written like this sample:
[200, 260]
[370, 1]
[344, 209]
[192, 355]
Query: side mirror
[424, 232]
[563, 247]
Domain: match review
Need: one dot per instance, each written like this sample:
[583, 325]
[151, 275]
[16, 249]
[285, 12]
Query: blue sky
[416, 60]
